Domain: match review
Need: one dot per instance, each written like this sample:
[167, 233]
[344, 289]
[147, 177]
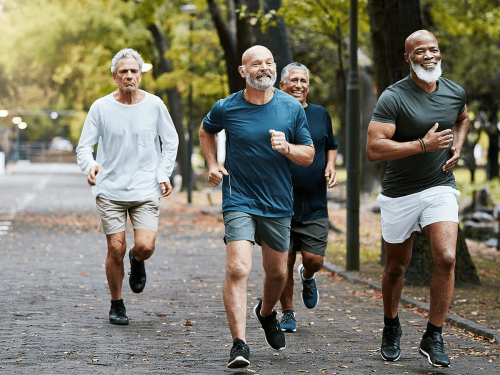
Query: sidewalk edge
[456, 320]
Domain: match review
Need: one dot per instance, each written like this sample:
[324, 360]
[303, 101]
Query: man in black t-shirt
[309, 230]
[411, 129]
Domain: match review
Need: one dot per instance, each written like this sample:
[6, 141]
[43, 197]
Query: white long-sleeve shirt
[129, 147]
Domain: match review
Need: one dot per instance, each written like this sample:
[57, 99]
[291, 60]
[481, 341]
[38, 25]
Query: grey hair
[127, 52]
[295, 65]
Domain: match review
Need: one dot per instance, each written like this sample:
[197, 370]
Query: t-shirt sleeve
[331, 144]
[302, 135]
[387, 108]
[464, 99]
[213, 121]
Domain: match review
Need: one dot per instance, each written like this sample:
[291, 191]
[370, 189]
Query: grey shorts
[310, 236]
[275, 231]
[113, 214]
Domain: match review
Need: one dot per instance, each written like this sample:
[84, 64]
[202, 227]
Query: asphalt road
[55, 300]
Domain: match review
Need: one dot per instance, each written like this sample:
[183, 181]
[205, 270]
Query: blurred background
[56, 57]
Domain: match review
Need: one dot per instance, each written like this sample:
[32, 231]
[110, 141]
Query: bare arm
[381, 147]
[208, 143]
[330, 173]
[462, 127]
[299, 154]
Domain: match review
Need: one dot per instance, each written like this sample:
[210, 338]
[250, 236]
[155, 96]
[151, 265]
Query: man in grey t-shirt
[411, 129]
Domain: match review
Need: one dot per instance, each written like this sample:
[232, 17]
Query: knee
[277, 275]
[116, 250]
[145, 250]
[445, 262]
[238, 271]
[313, 264]
[395, 270]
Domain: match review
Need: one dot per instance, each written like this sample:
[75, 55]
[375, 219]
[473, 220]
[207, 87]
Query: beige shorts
[113, 214]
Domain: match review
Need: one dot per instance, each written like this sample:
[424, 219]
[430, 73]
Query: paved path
[55, 301]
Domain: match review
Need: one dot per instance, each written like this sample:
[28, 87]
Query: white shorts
[402, 216]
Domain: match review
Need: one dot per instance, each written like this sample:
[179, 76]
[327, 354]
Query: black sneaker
[390, 349]
[118, 313]
[240, 354]
[275, 337]
[432, 347]
[137, 279]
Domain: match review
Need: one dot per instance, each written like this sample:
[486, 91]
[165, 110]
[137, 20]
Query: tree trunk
[419, 271]
[228, 44]
[174, 100]
[370, 173]
[489, 105]
[275, 38]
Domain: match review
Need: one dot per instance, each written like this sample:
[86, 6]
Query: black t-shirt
[309, 183]
[414, 112]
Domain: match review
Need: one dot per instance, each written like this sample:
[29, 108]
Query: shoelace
[438, 348]
[288, 318]
[271, 322]
[390, 337]
[309, 287]
[238, 347]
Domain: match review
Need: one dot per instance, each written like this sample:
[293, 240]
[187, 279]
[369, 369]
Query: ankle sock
[431, 328]
[394, 322]
[120, 301]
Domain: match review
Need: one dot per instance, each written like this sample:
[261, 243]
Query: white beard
[427, 75]
[254, 82]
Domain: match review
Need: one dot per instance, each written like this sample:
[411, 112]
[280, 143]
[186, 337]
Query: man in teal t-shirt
[266, 132]
[411, 129]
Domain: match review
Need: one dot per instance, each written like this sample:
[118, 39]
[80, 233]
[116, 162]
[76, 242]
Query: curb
[453, 319]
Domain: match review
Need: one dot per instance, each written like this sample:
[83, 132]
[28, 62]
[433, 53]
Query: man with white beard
[411, 129]
[266, 131]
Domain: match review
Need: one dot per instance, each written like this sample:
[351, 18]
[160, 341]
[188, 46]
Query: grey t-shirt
[414, 112]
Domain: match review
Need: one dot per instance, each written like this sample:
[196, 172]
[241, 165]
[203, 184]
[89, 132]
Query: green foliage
[319, 32]
[60, 55]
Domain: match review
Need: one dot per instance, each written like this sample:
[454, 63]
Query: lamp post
[17, 121]
[353, 152]
[190, 9]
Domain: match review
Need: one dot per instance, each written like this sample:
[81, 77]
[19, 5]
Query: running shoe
[275, 337]
[240, 354]
[390, 348]
[137, 279]
[288, 323]
[432, 347]
[310, 295]
[118, 313]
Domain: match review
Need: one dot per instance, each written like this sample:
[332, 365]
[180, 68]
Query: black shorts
[310, 236]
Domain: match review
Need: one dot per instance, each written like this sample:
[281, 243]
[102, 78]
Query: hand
[92, 176]
[279, 143]
[455, 157]
[166, 189]
[215, 173]
[331, 175]
[436, 141]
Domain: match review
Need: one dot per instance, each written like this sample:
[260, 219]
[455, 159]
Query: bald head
[260, 52]
[420, 36]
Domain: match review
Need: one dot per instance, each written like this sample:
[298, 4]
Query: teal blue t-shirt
[414, 111]
[259, 180]
[309, 183]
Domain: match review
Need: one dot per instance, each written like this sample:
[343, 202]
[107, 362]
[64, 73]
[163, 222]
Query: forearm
[462, 127]
[301, 154]
[387, 149]
[170, 143]
[331, 158]
[208, 143]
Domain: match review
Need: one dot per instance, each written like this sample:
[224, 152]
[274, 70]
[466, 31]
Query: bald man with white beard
[411, 129]
[266, 131]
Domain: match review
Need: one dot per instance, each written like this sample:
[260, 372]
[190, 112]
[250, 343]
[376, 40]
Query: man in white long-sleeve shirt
[130, 174]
